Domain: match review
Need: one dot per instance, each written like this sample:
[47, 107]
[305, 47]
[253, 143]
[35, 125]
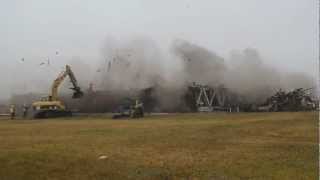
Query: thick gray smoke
[129, 66]
[135, 64]
[199, 64]
[248, 75]
[139, 64]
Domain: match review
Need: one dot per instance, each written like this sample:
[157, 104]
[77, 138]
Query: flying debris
[57, 52]
[22, 59]
[42, 64]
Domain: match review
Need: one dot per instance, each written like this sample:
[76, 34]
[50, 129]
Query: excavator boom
[77, 93]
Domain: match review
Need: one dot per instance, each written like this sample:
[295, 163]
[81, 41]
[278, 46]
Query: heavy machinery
[130, 108]
[51, 106]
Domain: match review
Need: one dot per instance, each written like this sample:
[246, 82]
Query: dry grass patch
[176, 146]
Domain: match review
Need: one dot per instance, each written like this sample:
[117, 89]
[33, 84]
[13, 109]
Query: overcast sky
[284, 31]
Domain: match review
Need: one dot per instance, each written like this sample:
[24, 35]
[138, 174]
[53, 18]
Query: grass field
[178, 146]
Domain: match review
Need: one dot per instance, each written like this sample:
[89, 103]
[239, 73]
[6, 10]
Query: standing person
[12, 111]
[25, 111]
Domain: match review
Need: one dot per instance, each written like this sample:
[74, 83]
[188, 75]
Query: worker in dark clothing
[12, 111]
[25, 111]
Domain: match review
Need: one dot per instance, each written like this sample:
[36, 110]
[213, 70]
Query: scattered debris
[296, 100]
[102, 157]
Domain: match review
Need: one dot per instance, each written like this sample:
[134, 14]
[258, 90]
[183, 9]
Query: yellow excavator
[51, 106]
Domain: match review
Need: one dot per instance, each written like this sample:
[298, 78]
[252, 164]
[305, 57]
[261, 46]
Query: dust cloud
[128, 66]
[139, 63]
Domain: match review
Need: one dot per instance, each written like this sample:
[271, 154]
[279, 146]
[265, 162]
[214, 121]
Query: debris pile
[296, 100]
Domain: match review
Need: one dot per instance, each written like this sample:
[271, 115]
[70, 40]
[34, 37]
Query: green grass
[178, 146]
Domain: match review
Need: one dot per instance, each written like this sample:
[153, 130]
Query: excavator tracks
[44, 114]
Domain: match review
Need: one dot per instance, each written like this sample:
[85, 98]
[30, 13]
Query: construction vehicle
[129, 109]
[137, 110]
[51, 106]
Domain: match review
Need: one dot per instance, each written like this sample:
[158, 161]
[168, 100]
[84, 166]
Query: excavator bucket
[77, 94]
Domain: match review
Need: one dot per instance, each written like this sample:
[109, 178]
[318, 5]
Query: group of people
[25, 109]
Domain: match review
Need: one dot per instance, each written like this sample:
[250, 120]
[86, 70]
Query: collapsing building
[295, 100]
[204, 98]
[194, 98]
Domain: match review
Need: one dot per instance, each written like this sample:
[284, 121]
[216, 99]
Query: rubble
[194, 98]
[296, 100]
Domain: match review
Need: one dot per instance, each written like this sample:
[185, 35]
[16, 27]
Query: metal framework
[209, 98]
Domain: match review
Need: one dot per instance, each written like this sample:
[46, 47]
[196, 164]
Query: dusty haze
[139, 63]
[252, 47]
